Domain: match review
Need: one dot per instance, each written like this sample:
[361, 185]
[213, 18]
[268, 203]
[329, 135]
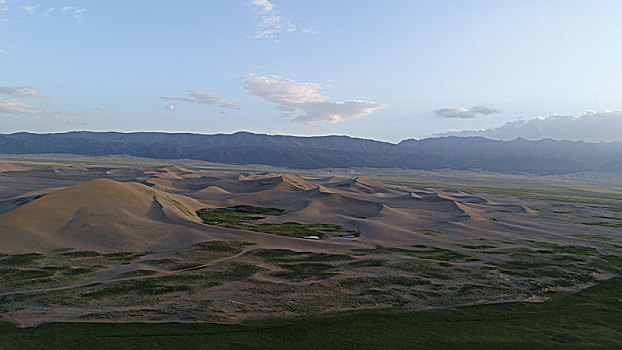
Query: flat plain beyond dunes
[107, 240]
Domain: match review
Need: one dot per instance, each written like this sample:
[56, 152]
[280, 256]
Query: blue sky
[387, 70]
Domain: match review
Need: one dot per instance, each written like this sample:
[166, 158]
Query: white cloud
[15, 106]
[197, 96]
[590, 126]
[60, 117]
[463, 112]
[285, 92]
[2, 51]
[75, 12]
[29, 9]
[265, 5]
[271, 22]
[66, 117]
[304, 101]
[21, 91]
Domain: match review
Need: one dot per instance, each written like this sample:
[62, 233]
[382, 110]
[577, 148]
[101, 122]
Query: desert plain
[112, 239]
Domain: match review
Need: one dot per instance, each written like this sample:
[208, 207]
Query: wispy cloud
[464, 113]
[305, 102]
[67, 117]
[271, 22]
[588, 126]
[15, 106]
[21, 91]
[264, 5]
[29, 9]
[197, 96]
[76, 12]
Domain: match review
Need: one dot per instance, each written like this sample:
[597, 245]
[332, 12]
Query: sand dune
[158, 209]
[214, 189]
[361, 185]
[98, 214]
[9, 166]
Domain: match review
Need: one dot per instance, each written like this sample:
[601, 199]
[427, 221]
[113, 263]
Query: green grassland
[589, 319]
[243, 217]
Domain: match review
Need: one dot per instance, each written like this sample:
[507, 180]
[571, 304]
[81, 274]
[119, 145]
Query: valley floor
[212, 254]
[585, 320]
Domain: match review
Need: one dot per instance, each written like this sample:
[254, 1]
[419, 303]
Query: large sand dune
[155, 208]
[99, 214]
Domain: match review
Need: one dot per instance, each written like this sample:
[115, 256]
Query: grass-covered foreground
[586, 320]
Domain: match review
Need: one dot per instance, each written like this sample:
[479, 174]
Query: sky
[386, 70]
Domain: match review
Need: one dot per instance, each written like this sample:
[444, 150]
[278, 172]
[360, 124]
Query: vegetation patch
[137, 273]
[211, 250]
[286, 255]
[428, 232]
[76, 271]
[148, 286]
[294, 229]
[564, 249]
[368, 263]
[600, 238]
[243, 217]
[234, 216]
[608, 218]
[603, 223]
[21, 259]
[125, 257]
[434, 253]
[173, 264]
[239, 270]
[381, 282]
[478, 246]
[257, 210]
[81, 254]
[382, 250]
[306, 271]
[13, 274]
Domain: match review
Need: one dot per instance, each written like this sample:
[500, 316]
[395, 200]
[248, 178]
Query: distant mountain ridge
[517, 156]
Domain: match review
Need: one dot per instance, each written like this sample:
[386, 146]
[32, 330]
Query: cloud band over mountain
[589, 126]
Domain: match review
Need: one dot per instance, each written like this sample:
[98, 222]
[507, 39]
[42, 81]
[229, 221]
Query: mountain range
[543, 157]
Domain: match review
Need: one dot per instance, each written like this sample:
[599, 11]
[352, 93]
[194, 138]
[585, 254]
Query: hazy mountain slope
[534, 157]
